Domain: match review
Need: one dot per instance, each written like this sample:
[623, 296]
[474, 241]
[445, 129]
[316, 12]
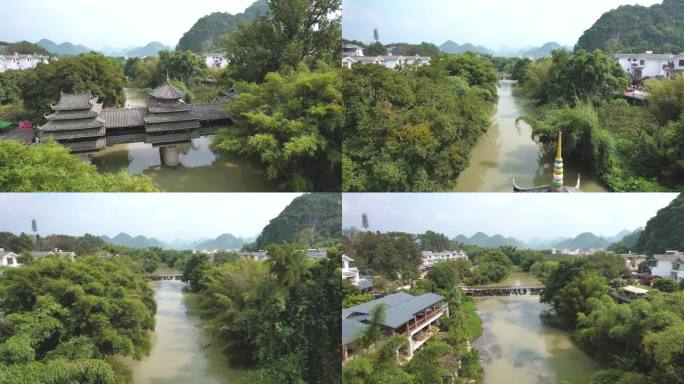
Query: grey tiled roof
[154, 118]
[73, 114]
[167, 91]
[120, 118]
[352, 330]
[210, 111]
[399, 314]
[165, 108]
[72, 101]
[400, 308]
[75, 134]
[365, 308]
[63, 125]
[172, 126]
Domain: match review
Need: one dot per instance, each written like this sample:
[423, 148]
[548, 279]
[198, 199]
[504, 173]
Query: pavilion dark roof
[66, 125]
[75, 134]
[73, 114]
[168, 92]
[74, 101]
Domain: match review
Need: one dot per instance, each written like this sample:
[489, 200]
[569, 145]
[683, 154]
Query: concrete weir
[169, 156]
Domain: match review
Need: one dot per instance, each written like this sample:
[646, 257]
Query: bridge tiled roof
[169, 117]
[75, 134]
[73, 101]
[210, 111]
[122, 118]
[172, 126]
[168, 108]
[127, 138]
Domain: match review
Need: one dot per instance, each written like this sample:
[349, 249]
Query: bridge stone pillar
[169, 156]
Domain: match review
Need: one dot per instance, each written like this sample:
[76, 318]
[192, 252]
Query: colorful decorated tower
[558, 165]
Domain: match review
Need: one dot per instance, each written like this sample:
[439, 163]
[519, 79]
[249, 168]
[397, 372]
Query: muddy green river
[507, 151]
[180, 353]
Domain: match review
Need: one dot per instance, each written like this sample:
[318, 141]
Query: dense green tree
[433, 241]
[413, 130]
[387, 254]
[569, 77]
[183, 66]
[86, 72]
[50, 167]
[16, 244]
[296, 31]
[444, 275]
[289, 125]
[375, 49]
[61, 318]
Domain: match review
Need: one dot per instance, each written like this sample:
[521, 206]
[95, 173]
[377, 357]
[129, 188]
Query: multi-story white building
[576, 251]
[430, 257]
[641, 66]
[670, 265]
[351, 272]
[216, 60]
[632, 261]
[389, 61]
[17, 61]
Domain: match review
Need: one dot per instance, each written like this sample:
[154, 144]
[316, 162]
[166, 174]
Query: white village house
[351, 50]
[389, 61]
[8, 259]
[351, 272]
[216, 60]
[17, 61]
[642, 66]
[670, 265]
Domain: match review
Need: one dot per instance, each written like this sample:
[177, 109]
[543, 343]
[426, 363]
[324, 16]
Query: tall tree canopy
[296, 31]
[93, 72]
[665, 230]
[290, 126]
[62, 318]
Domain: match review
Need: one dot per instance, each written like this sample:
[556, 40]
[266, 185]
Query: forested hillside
[311, 219]
[665, 230]
[208, 30]
[635, 29]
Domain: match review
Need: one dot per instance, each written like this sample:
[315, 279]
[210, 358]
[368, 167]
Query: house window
[641, 62]
[681, 63]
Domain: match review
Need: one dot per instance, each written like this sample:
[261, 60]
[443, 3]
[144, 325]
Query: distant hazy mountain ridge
[533, 52]
[585, 240]
[224, 241]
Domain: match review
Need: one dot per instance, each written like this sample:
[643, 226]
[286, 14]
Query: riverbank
[507, 151]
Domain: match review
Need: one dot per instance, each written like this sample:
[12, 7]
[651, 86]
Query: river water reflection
[507, 151]
[517, 348]
[179, 353]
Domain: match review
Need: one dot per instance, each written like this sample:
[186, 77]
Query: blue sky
[523, 216]
[167, 216]
[492, 23]
[98, 23]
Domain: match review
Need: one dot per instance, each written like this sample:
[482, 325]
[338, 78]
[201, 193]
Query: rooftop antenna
[34, 228]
